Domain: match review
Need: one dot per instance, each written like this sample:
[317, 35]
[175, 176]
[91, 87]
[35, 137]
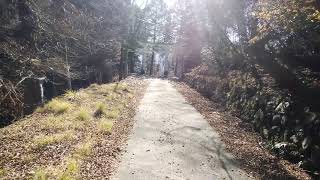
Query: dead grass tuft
[83, 115]
[113, 114]
[105, 126]
[42, 141]
[55, 106]
[71, 171]
[40, 174]
[101, 110]
[2, 172]
[83, 150]
[71, 94]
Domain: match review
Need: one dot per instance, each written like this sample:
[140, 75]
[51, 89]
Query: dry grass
[55, 106]
[101, 110]
[62, 134]
[83, 150]
[62, 123]
[71, 171]
[54, 123]
[114, 113]
[2, 172]
[69, 168]
[45, 140]
[122, 87]
[105, 126]
[28, 158]
[83, 115]
[71, 94]
[40, 174]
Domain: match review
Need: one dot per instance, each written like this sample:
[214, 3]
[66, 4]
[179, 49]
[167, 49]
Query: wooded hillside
[58, 45]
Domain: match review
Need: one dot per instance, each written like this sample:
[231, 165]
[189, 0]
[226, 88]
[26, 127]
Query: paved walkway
[171, 140]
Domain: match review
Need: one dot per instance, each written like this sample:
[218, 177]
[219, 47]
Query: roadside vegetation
[58, 137]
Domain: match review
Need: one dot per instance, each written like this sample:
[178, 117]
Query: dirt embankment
[288, 125]
[69, 135]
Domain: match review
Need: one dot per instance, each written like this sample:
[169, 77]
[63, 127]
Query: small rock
[265, 132]
[281, 145]
[307, 109]
[282, 107]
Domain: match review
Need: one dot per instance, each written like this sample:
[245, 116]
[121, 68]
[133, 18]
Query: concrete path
[171, 140]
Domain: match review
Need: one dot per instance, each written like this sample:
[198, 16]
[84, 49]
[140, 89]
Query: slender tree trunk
[123, 64]
[152, 62]
[153, 49]
[131, 62]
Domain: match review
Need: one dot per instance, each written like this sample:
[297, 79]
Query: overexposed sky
[169, 2]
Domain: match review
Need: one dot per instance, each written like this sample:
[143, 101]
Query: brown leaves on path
[241, 140]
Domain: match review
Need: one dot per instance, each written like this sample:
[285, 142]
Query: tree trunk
[151, 65]
[131, 62]
[122, 68]
[153, 55]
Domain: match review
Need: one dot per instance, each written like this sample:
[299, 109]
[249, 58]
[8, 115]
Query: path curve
[171, 140]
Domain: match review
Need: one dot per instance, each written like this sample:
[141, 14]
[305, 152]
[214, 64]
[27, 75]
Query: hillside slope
[69, 135]
[56, 44]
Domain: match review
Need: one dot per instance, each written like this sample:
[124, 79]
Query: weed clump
[40, 174]
[46, 140]
[71, 170]
[83, 150]
[105, 126]
[83, 115]
[70, 94]
[113, 114]
[3, 172]
[55, 106]
[101, 110]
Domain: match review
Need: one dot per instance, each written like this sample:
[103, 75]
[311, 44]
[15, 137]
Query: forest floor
[78, 135]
